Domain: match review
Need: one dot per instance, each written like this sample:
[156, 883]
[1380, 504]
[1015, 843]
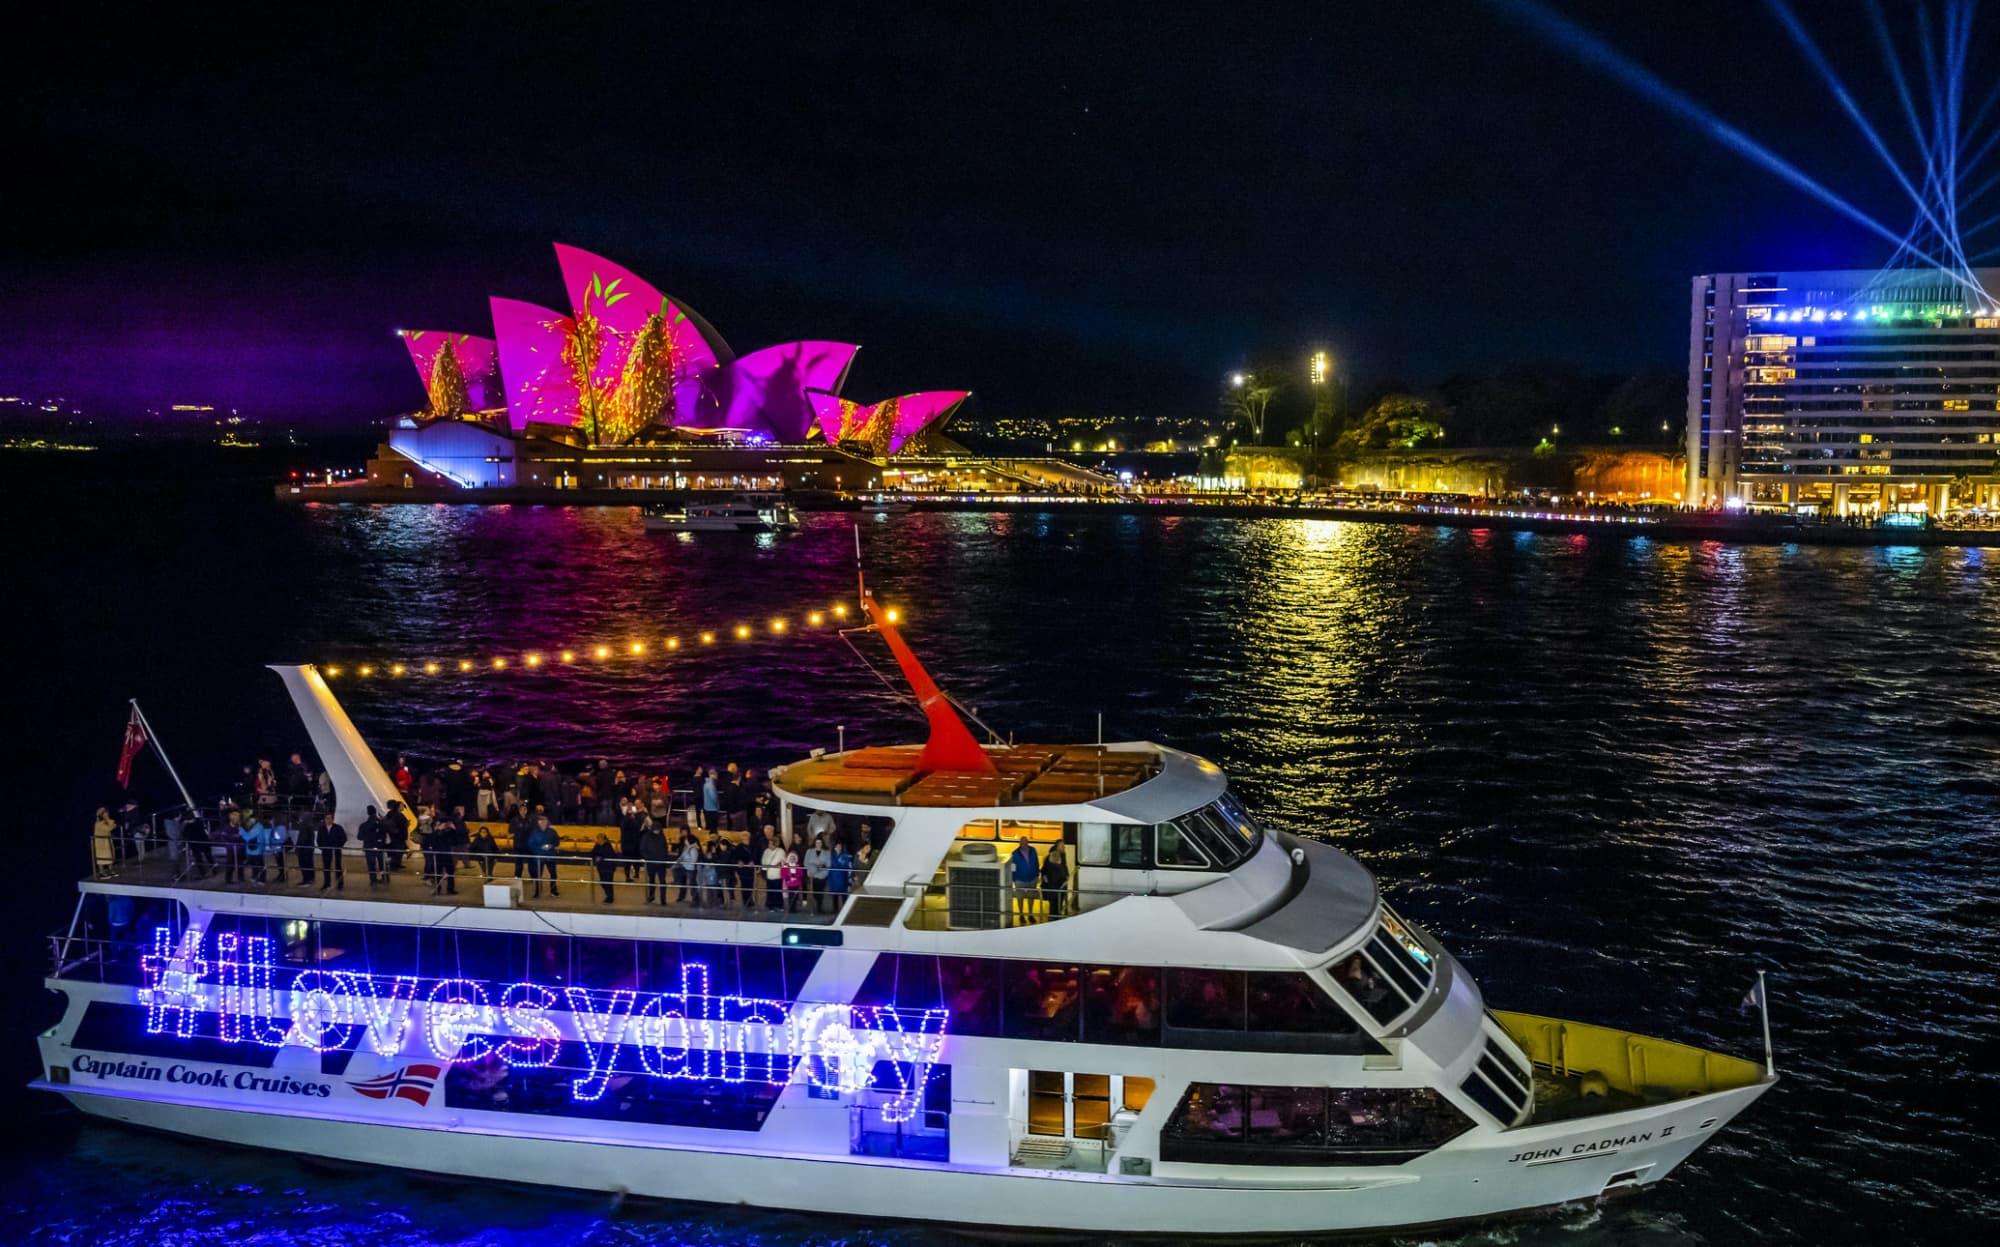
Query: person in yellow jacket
[101, 833]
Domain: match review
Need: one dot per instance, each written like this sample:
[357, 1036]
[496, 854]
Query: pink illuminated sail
[622, 301]
[885, 427]
[538, 383]
[475, 359]
[764, 390]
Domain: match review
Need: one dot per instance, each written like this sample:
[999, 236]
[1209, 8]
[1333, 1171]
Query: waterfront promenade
[1663, 524]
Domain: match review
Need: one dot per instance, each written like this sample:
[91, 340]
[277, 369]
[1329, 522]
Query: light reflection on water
[1615, 776]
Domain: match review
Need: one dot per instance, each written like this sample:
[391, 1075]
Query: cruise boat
[1208, 1028]
[739, 513]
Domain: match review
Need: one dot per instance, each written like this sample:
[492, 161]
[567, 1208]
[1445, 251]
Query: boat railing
[95, 959]
[704, 887]
[1002, 904]
[1602, 1060]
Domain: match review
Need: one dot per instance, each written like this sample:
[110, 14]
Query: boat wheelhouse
[1205, 1027]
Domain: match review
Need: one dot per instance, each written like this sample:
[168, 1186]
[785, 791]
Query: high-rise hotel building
[1843, 391]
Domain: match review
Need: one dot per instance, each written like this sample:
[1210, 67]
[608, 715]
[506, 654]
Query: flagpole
[154, 739]
[1764, 1010]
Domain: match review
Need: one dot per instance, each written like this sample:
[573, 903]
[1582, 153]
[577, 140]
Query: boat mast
[951, 746]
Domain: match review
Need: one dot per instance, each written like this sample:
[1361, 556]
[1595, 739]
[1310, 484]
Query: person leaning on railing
[485, 849]
[543, 845]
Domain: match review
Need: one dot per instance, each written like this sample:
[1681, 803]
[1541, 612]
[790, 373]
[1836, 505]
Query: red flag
[135, 740]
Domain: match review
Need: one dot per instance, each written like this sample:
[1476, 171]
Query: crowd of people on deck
[714, 842]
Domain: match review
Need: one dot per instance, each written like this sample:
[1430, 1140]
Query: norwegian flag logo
[412, 1082]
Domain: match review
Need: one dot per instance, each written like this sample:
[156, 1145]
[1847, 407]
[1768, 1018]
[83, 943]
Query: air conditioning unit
[975, 890]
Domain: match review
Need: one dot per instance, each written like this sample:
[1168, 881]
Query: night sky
[1072, 209]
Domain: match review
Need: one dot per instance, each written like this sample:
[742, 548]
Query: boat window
[1497, 1085]
[1205, 999]
[1174, 848]
[1293, 1002]
[1263, 1011]
[1137, 1092]
[1223, 833]
[1284, 1115]
[495, 1087]
[760, 972]
[1130, 846]
[1358, 977]
[1193, 829]
[1391, 972]
[1043, 1001]
[608, 964]
[1239, 819]
[497, 956]
[971, 988]
[1399, 931]
[1220, 1123]
[1036, 832]
[1210, 1112]
[1122, 1005]
[1093, 844]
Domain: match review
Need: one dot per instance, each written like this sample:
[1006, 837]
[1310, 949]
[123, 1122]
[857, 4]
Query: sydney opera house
[632, 389]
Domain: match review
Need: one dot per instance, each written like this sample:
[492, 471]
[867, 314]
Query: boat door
[1063, 1105]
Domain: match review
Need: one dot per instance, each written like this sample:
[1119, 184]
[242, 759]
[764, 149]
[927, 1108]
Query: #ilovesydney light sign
[690, 1033]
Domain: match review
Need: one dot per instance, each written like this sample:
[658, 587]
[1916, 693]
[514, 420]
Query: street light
[1237, 379]
[1321, 366]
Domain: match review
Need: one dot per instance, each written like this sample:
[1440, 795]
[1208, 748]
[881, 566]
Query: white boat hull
[1511, 1172]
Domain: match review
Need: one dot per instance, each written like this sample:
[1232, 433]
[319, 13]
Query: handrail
[416, 875]
[1014, 905]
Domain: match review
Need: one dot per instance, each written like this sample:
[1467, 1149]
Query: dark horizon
[1063, 212]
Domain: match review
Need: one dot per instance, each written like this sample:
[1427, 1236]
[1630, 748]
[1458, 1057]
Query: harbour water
[1616, 776]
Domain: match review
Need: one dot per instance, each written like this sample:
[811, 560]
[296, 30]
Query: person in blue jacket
[1025, 869]
[839, 872]
[543, 845]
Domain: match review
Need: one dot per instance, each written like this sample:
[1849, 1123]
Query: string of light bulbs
[599, 654]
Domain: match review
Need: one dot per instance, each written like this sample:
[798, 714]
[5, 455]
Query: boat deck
[1022, 775]
[581, 892]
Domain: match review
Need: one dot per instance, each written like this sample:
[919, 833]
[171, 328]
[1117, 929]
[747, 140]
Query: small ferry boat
[1206, 1027]
[884, 505]
[739, 513]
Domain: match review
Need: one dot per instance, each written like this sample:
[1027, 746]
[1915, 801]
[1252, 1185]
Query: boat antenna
[860, 579]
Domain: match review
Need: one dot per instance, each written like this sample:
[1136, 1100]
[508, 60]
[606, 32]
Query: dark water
[1616, 777]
